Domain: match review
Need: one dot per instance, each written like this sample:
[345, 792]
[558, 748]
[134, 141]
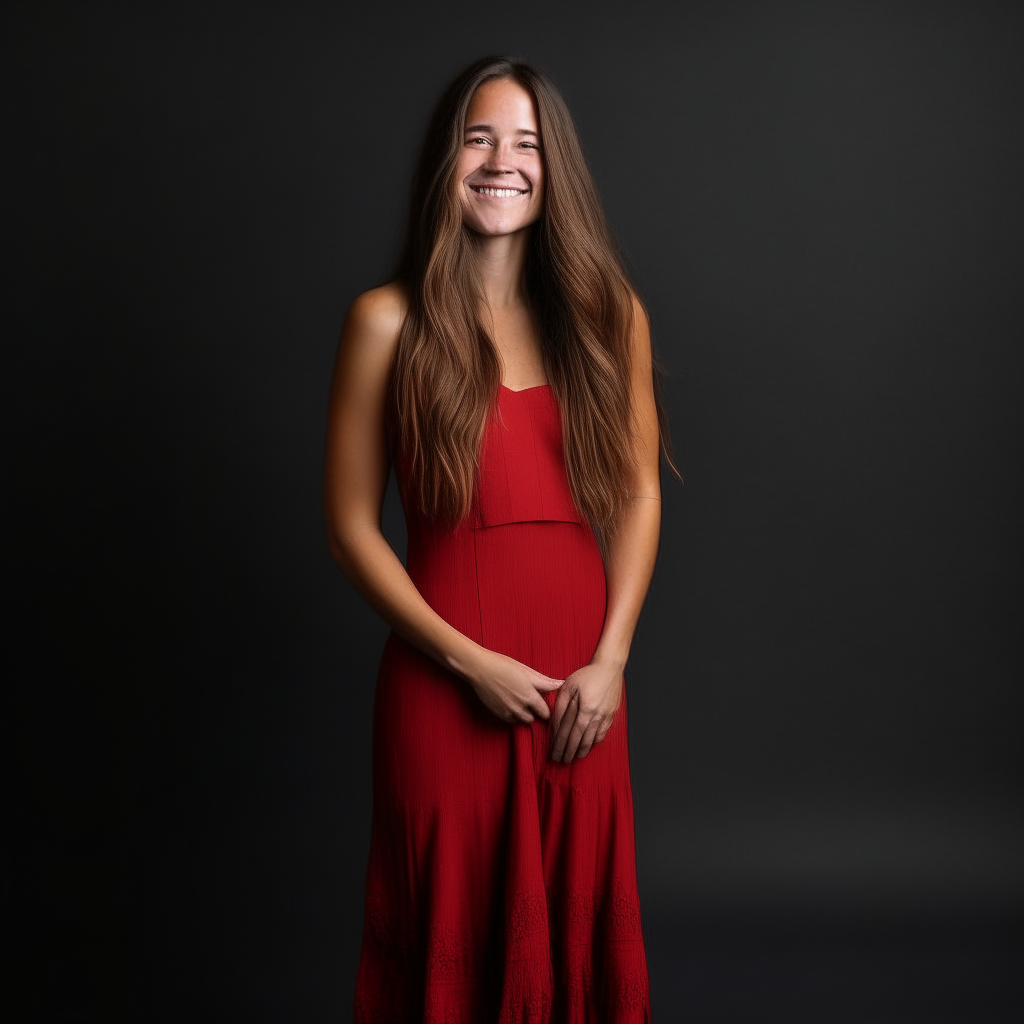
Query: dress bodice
[521, 476]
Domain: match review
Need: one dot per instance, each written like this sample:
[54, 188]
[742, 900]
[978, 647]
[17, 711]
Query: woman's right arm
[356, 471]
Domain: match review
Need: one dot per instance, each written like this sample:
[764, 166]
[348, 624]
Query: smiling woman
[500, 168]
[506, 374]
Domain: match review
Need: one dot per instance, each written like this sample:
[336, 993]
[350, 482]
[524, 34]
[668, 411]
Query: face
[500, 176]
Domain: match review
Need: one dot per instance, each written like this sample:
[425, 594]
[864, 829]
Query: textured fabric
[501, 885]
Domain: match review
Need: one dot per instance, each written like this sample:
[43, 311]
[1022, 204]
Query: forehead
[503, 103]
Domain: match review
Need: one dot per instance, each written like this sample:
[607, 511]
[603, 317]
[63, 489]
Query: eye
[479, 138]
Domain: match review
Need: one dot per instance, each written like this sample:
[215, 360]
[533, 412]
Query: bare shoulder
[641, 322]
[369, 338]
[378, 313]
[641, 338]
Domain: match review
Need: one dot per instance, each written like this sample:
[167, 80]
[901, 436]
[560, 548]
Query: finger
[539, 707]
[522, 715]
[606, 725]
[589, 737]
[564, 726]
[513, 713]
[575, 735]
[561, 703]
[547, 683]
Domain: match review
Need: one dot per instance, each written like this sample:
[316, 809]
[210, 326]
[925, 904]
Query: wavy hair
[447, 373]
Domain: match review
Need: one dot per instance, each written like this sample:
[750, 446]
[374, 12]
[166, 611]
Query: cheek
[470, 214]
[460, 186]
[462, 168]
[538, 192]
[539, 182]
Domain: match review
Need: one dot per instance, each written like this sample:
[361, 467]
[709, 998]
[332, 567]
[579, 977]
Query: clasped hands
[584, 710]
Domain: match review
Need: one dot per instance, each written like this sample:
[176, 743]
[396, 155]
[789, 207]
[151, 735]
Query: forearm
[374, 569]
[631, 552]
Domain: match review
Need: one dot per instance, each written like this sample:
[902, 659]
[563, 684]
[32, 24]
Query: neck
[500, 262]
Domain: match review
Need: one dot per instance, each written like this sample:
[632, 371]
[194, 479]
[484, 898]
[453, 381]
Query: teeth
[501, 193]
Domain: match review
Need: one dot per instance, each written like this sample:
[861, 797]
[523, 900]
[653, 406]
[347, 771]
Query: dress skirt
[501, 885]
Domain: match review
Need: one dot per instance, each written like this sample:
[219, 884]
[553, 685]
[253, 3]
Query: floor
[746, 971]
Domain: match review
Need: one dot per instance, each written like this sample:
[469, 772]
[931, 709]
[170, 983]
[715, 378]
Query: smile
[500, 193]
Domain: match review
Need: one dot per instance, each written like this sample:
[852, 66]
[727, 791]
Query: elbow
[337, 552]
[340, 548]
[347, 546]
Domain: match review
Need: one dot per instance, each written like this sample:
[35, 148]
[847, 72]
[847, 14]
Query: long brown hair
[446, 373]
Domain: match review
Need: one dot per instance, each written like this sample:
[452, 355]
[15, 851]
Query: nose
[498, 162]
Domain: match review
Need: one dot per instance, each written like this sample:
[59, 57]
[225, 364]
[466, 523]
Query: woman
[507, 375]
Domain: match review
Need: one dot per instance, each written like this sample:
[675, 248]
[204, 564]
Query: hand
[585, 709]
[510, 689]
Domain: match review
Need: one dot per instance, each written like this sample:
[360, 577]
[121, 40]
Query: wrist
[466, 660]
[614, 660]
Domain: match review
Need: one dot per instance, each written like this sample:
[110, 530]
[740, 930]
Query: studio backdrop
[821, 205]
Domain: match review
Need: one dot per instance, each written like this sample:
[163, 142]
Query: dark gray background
[822, 205]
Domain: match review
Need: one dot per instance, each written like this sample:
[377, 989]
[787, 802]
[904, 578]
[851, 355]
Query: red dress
[501, 885]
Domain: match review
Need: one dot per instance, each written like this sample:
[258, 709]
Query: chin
[498, 227]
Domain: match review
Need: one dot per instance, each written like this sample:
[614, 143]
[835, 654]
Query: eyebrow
[489, 128]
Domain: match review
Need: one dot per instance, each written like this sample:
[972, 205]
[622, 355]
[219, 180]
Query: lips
[498, 193]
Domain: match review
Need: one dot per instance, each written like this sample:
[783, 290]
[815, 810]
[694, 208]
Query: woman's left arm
[590, 697]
